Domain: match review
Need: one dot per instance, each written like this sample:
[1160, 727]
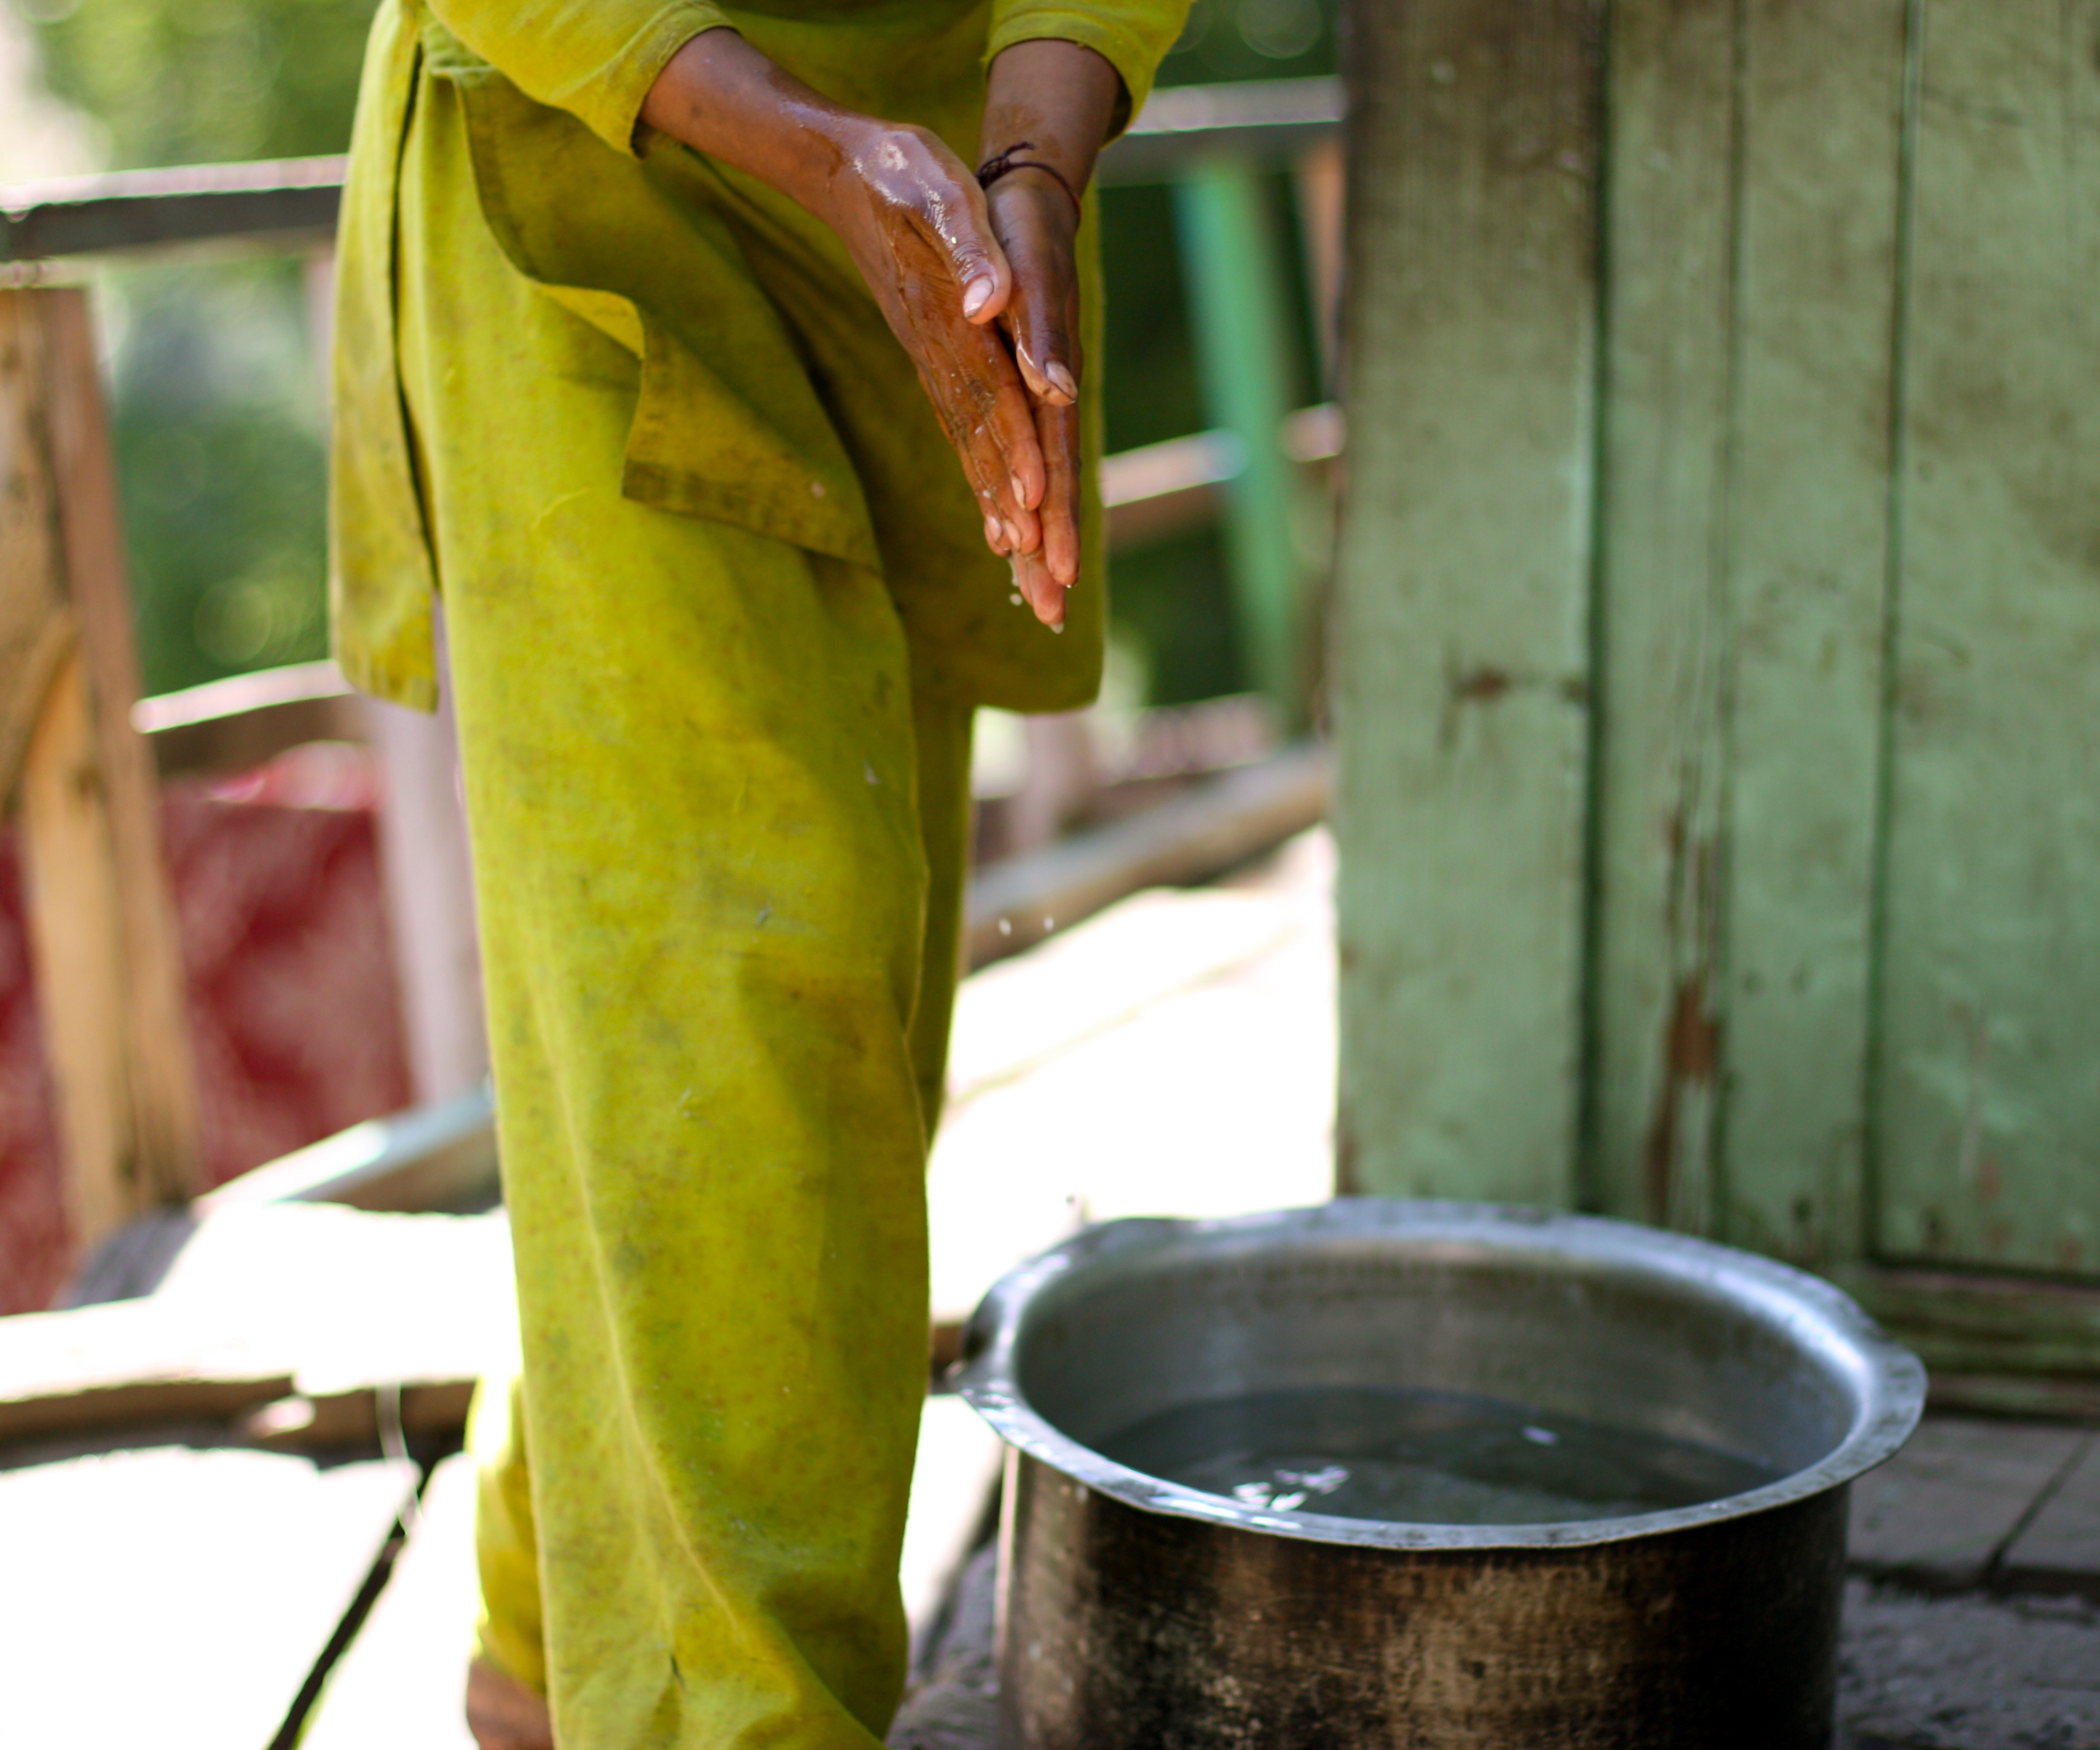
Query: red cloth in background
[294, 1014]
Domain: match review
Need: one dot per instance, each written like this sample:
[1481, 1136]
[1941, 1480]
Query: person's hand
[983, 295]
[917, 225]
[1048, 105]
[1035, 221]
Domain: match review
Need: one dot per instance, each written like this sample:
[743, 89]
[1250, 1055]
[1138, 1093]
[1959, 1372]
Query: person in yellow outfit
[662, 328]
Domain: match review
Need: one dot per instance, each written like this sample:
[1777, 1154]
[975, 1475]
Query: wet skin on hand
[982, 293]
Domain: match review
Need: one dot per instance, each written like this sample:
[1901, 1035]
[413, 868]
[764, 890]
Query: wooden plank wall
[1460, 670]
[1754, 176]
[1793, 937]
[1988, 1148]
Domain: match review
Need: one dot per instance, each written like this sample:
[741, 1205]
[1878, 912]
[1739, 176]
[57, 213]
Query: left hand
[1054, 103]
[1036, 224]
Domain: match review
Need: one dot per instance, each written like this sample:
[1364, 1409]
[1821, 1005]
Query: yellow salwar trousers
[719, 837]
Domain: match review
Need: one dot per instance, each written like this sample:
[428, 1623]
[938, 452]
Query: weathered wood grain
[1460, 664]
[1810, 444]
[76, 923]
[1753, 175]
[1658, 964]
[1988, 1125]
[98, 585]
[109, 963]
[36, 626]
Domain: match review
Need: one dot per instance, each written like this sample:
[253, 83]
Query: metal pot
[1137, 1613]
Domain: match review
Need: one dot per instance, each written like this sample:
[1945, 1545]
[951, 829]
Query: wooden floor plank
[1205, 1086]
[1939, 1512]
[263, 1302]
[951, 1489]
[399, 1685]
[402, 1682]
[178, 1598]
[2059, 1551]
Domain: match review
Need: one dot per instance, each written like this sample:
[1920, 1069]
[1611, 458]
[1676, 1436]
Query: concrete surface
[1968, 1672]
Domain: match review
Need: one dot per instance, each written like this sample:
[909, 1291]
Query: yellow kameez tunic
[718, 612]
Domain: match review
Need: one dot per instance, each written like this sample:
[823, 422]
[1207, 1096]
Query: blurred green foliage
[218, 423]
[217, 405]
[205, 81]
[216, 396]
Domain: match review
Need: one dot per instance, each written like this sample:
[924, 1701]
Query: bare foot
[503, 1714]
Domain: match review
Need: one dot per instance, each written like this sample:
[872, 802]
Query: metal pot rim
[1890, 1381]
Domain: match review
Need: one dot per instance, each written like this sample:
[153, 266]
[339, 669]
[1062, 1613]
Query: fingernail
[976, 295]
[1020, 491]
[1062, 380]
[991, 532]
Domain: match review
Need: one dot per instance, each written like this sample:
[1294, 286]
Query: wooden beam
[287, 201]
[109, 964]
[1199, 834]
[1979, 1326]
[234, 724]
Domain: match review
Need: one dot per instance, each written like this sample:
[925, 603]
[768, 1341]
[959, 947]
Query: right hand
[915, 221]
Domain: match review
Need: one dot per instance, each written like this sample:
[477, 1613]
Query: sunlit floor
[1174, 1055]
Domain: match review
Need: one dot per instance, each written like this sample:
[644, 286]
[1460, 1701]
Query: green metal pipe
[1243, 345]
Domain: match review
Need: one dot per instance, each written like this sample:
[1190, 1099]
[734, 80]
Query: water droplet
[1541, 1436]
[867, 772]
[1006, 926]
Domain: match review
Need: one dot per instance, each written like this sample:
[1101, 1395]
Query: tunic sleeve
[595, 59]
[1132, 36]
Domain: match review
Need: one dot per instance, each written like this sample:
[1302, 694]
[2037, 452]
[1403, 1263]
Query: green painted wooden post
[1459, 664]
[1244, 353]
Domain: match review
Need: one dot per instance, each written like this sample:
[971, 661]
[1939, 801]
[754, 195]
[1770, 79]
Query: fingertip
[987, 285]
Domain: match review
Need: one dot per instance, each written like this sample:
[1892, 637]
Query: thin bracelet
[1001, 162]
